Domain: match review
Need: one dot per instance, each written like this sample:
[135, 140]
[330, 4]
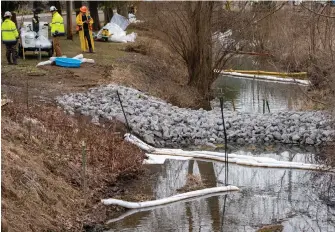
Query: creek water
[248, 94]
[297, 200]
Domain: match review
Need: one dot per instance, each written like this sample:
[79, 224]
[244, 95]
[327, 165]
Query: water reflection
[248, 94]
[299, 200]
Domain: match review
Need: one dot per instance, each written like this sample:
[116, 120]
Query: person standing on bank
[10, 36]
[57, 29]
[84, 27]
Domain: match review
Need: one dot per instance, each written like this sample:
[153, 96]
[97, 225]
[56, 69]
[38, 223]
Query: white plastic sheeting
[116, 28]
[28, 36]
[42, 42]
[79, 57]
[121, 21]
[224, 38]
[232, 158]
[132, 18]
[178, 197]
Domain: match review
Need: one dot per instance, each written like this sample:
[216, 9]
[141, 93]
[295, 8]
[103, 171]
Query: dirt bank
[152, 69]
[42, 182]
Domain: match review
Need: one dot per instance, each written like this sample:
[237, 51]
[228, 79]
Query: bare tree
[108, 10]
[188, 28]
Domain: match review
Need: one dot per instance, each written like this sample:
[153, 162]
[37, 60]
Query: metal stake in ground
[124, 114]
[225, 141]
[223, 212]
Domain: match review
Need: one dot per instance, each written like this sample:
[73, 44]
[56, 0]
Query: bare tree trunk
[14, 18]
[199, 63]
[10, 6]
[108, 11]
[36, 4]
[69, 20]
[77, 5]
[93, 5]
[123, 9]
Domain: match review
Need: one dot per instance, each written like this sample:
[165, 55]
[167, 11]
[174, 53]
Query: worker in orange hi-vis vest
[84, 27]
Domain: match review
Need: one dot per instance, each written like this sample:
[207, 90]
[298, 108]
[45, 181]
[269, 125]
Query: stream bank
[42, 166]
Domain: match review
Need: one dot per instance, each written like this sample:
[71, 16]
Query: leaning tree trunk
[93, 5]
[77, 5]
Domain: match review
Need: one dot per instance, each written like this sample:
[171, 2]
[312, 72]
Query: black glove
[46, 24]
[56, 32]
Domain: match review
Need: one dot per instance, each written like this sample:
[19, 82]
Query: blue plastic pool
[67, 62]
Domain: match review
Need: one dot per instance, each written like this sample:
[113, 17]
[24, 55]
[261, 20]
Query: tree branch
[323, 15]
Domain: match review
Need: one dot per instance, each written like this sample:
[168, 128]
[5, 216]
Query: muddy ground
[42, 154]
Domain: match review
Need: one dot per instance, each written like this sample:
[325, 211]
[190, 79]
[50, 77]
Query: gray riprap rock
[309, 141]
[277, 135]
[295, 137]
[149, 138]
[171, 125]
[158, 134]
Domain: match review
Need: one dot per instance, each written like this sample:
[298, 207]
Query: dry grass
[158, 73]
[271, 228]
[42, 164]
[327, 155]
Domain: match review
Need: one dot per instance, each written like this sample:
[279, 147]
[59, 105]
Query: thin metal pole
[39, 53]
[124, 114]
[267, 103]
[223, 212]
[226, 141]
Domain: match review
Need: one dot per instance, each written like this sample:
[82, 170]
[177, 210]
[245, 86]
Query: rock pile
[162, 124]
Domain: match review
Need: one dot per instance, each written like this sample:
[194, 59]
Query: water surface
[299, 200]
[248, 94]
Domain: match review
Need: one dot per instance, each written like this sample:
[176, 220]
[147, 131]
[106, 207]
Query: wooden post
[69, 19]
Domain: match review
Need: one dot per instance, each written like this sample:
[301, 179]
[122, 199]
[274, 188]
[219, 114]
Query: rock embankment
[162, 124]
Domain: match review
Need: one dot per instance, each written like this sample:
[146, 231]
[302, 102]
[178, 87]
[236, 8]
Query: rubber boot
[8, 55]
[14, 56]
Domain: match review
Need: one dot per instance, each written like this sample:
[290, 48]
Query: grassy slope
[42, 168]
